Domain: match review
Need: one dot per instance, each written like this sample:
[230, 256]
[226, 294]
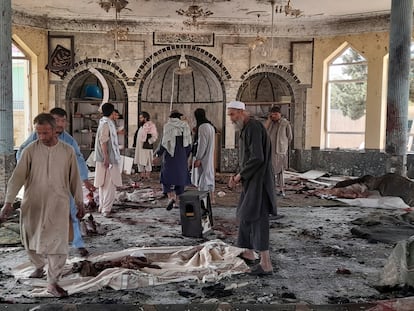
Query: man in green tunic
[49, 172]
[257, 199]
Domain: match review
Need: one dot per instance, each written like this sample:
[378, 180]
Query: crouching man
[49, 172]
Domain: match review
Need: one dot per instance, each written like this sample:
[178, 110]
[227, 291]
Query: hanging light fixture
[183, 67]
[118, 32]
[259, 41]
[194, 12]
[288, 9]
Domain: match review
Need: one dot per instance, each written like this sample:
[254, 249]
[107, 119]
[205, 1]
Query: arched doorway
[84, 95]
[265, 86]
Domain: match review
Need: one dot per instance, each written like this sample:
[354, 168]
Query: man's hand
[5, 211]
[197, 163]
[156, 160]
[233, 181]
[89, 186]
[81, 211]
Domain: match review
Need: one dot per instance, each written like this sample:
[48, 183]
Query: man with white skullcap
[257, 199]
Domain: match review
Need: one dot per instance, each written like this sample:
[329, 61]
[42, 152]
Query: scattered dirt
[316, 258]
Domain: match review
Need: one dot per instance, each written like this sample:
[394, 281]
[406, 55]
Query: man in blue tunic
[257, 199]
[60, 117]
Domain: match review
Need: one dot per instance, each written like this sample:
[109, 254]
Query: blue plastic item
[93, 92]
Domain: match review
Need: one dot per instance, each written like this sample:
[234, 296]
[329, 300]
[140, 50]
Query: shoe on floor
[171, 204]
[83, 252]
[258, 270]
[250, 262]
[281, 193]
[275, 217]
[107, 215]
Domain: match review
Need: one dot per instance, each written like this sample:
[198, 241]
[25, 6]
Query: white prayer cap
[236, 105]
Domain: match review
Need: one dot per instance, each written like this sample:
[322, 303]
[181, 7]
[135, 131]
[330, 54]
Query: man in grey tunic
[257, 199]
[280, 133]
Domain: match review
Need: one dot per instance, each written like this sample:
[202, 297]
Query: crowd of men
[50, 161]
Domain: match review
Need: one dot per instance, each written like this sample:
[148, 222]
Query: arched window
[346, 101]
[21, 106]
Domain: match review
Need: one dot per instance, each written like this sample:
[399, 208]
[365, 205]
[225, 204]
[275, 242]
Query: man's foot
[282, 194]
[107, 214]
[275, 217]
[57, 291]
[259, 271]
[37, 274]
[250, 262]
[170, 205]
[83, 252]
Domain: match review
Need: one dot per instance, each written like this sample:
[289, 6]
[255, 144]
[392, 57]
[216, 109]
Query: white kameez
[203, 176]
[143, 157]
[49, 175]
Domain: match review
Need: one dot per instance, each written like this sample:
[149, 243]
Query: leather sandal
[258, 270]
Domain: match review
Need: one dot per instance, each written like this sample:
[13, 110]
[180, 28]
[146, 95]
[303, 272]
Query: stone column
[398, 85]
[6, 98]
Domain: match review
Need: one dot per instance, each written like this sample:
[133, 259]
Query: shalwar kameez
[49, 175]
[107, 178]
[257, 199]
[203, 176]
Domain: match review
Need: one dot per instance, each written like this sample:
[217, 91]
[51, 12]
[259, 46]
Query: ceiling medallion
[194, 12]
[119, 5]
[287, 9]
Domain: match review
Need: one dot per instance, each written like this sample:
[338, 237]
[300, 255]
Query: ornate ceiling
[225, 16]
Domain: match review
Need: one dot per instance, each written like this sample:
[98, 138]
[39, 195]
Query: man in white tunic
[107, 156]
[146, 136]
[48, 170]
[203, 154]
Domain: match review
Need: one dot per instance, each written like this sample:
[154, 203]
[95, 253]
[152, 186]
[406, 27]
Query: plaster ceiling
[156, 12]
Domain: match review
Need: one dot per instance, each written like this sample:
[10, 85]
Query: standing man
[146, 136]
[60, 116]
[202, 174]
[280, 133]
[257, 199]
[107, 157]
[174, 149]
[49, 172]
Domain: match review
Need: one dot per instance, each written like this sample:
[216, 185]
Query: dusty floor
[316, 258]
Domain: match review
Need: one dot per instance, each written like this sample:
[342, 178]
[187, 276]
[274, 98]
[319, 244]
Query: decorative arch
[191, 51]
[80, 68]
[284, 74]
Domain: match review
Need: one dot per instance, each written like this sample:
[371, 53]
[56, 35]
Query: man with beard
[60, 117]
[202, 174]
[145, 138]
[107, 157]
[49, 172]
[280, 133]
[257, 199]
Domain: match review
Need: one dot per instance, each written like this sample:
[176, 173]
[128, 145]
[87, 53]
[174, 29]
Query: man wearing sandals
[48, 169]
[257, 199]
